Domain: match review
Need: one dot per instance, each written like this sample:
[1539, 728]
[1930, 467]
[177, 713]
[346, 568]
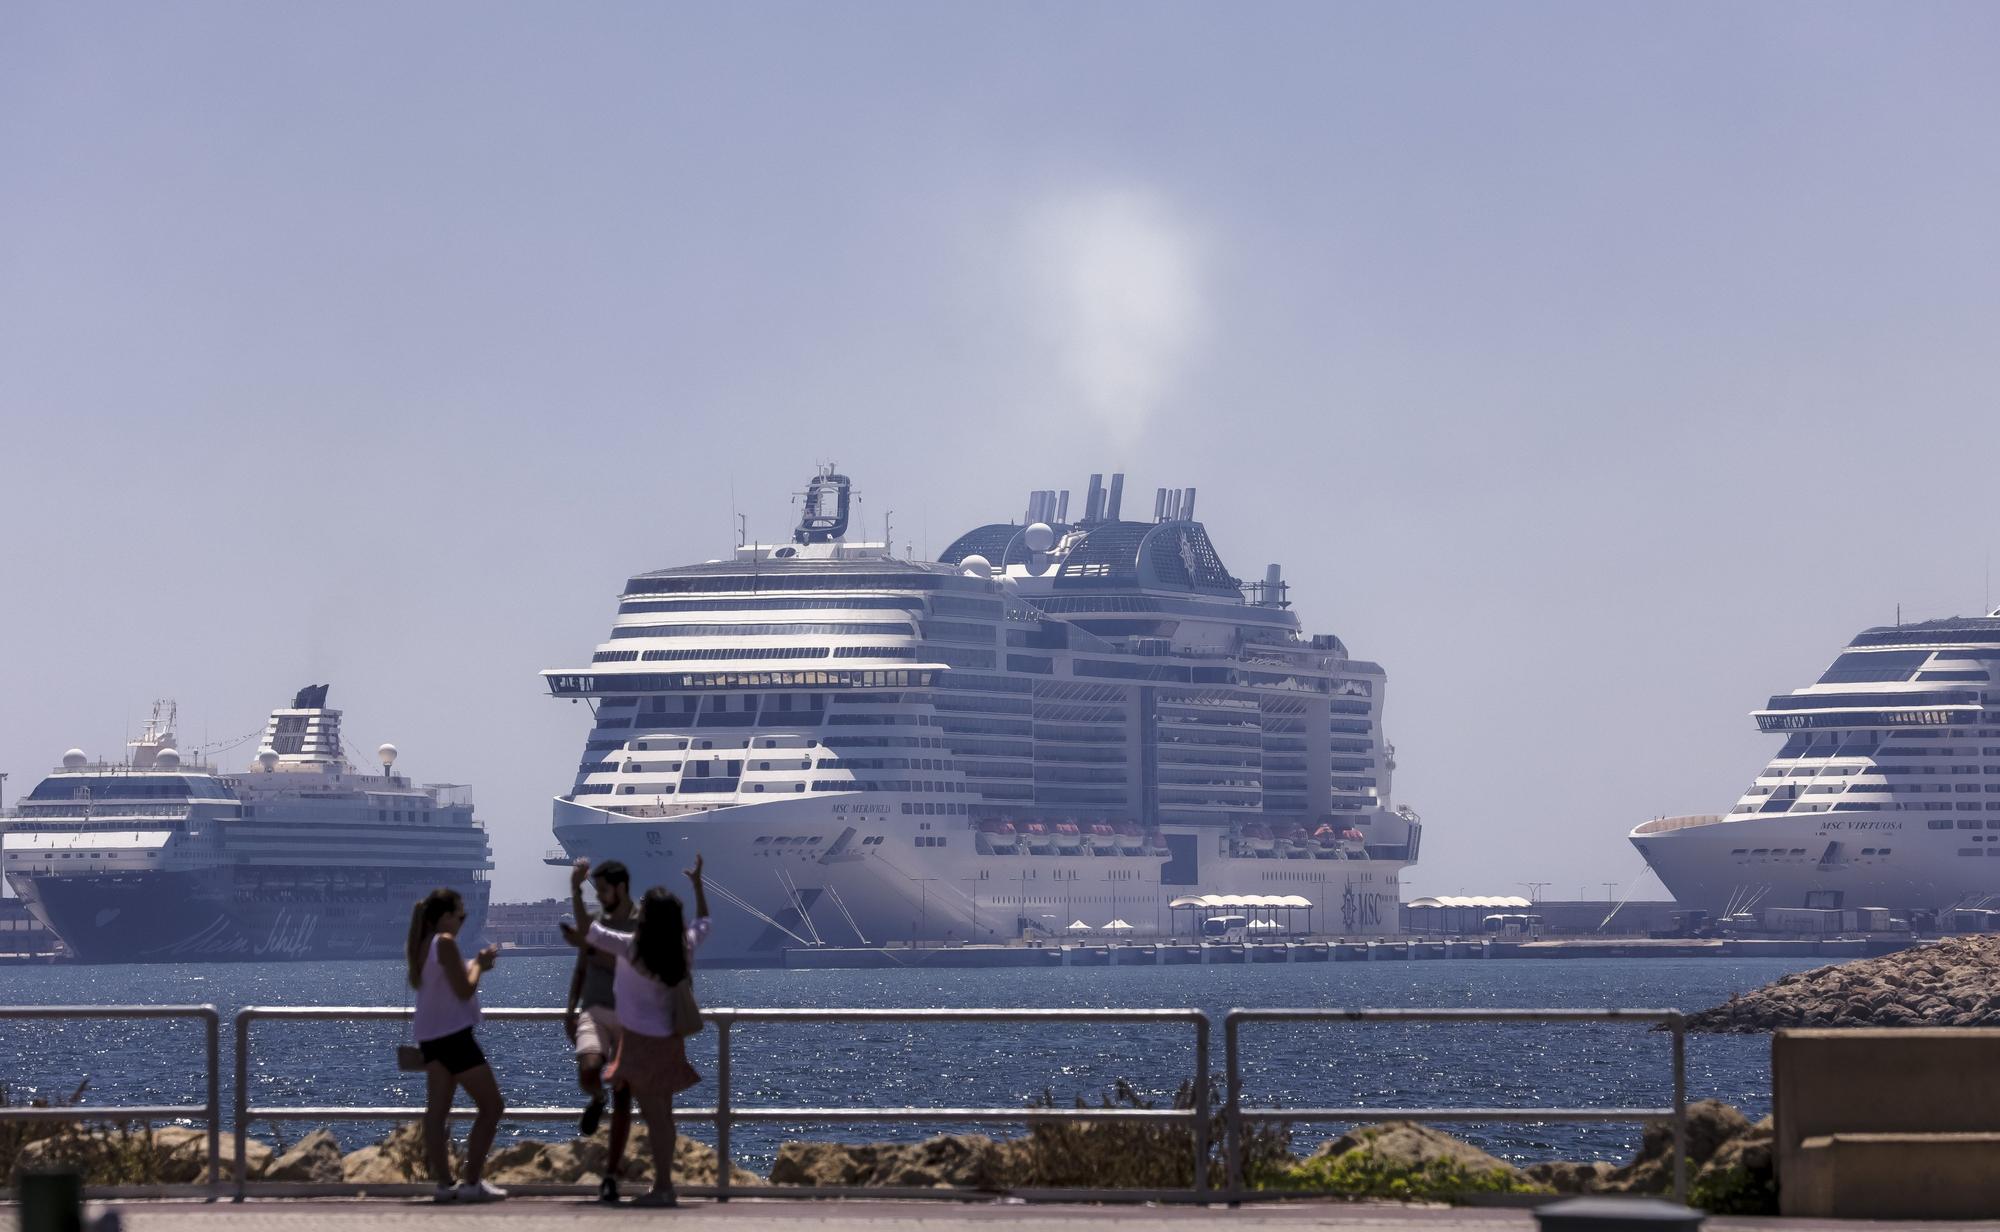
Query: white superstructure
[1886, 792]
[1058, 722]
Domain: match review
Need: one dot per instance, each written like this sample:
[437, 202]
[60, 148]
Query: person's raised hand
[486, 956]
[694, 874]
[579, 872]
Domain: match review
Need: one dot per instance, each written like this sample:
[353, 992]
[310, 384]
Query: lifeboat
[1156, 843]
[1100, 837]
[1327, 843]
[1038, 838]
[1293, 843]
[1257, 839]
[1000, 835]
[1069, 838]
[1354, 836]
[1131, 840]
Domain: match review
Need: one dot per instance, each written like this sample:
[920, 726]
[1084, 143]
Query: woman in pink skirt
[652, 1061]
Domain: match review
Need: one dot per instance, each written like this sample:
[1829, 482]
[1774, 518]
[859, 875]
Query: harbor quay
[1141, 954]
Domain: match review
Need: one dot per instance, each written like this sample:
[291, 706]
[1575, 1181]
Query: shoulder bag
[687, 1014]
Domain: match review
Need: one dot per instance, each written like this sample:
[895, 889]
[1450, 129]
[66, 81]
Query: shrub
[1361, 1174]
[1735, 1191]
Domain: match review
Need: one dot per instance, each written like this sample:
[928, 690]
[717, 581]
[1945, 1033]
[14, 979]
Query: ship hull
[823, 885]
[1750, 865]
[200, 916]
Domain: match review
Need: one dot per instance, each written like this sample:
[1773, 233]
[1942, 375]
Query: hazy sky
[1597, 368]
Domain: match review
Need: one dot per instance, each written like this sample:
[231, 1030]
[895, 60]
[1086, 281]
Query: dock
[1401, 949]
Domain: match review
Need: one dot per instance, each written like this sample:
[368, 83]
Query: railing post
[723, 1166]
[1679, 1026]
[242, 1099]
[211, 1026]
[1201, 1104]
[1232, 1110]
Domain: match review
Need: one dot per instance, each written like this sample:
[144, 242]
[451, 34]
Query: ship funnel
[1159, 504]
[1187, 508]
[1093, 500]
[1115, 499]
[1062, 506]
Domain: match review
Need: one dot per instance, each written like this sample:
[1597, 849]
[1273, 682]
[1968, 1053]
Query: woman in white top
[447, 1010]
[652, 1053]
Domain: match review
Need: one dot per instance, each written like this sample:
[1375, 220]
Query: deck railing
[1237, 1116]
[209, 1112]
[726, 1114]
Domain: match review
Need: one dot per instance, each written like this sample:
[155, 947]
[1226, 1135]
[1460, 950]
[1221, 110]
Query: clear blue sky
[1598, 368]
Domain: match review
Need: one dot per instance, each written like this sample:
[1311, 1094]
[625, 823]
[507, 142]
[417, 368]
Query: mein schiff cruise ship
[161, 859]
[1886, 792]
[1060, 722]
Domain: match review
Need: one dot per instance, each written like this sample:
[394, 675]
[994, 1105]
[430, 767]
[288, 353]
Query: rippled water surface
[923, 1064]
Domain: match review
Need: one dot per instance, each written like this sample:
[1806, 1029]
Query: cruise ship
[1061, 724]
[1886, 792]
[158, 858]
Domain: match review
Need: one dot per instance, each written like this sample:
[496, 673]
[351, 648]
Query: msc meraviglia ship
[161, 859]
[1886, 792]
[1058, 722]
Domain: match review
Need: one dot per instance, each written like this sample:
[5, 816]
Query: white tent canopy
[1078, 926]
[1117, 926]
[1212, 901]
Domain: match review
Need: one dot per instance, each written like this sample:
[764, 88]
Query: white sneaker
[445, 1193]
[481, 1191]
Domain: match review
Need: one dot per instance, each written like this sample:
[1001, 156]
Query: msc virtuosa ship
[1885, 794]
[1058, 722]
[160, 859]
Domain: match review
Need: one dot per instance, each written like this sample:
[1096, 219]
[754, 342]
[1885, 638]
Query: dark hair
[611, 871]
[424, 918]
[661, 938]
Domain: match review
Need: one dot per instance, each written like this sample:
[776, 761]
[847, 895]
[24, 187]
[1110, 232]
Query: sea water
[890, 1064]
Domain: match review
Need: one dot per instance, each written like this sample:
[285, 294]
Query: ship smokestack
[1117, 497]
[1062, 507]
[1159, 504]
[1093, 499]
[1187, 510]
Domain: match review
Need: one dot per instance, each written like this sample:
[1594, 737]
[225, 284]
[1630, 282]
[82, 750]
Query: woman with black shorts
[447, 1011]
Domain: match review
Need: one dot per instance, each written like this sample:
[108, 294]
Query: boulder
[313, 1159]
[529, 1162]
[1741, 1177]
[583, 1160]
[1405, 1145]
[963, 1161]
[1710, 1124]
[182, 1155]
[396, 1160]
[1571, 1178]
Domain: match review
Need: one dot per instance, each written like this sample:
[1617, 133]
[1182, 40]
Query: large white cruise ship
[1058, 722]
[160, 858]
[1886, 792]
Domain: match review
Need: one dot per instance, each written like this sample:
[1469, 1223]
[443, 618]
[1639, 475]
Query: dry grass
[105, 1153]
[1143, 1155]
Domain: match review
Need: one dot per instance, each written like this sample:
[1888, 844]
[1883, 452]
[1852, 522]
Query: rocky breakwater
[1954, 983]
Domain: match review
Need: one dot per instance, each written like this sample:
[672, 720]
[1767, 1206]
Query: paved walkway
[751, 1215]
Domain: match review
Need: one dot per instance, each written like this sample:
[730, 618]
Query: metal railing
[725, 1114]
[209, 1113]
[1236, 1115]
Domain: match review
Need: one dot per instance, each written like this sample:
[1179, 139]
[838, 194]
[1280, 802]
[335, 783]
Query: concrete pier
[1389, 949]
